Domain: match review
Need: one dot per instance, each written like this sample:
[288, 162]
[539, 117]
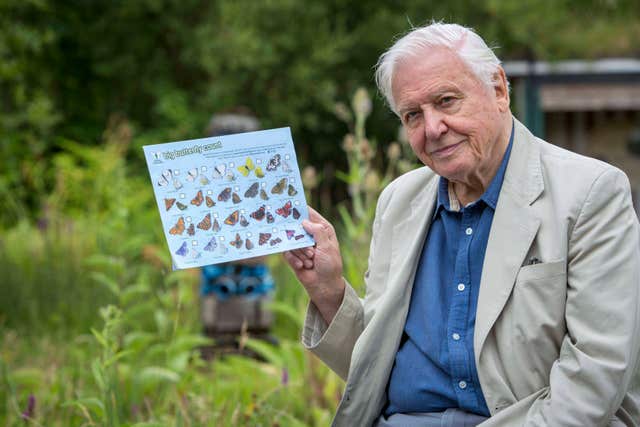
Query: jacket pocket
[542, 271]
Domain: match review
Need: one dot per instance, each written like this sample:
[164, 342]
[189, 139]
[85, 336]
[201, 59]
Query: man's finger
[321, 232]
[294, 261]
[314, 216]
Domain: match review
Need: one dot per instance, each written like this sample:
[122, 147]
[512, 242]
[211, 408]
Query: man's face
[454, 123]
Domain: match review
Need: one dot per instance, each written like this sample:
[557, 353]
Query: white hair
[463, 41]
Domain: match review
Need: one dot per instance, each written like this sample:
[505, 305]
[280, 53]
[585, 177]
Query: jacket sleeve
[334, 343]
[599, 353]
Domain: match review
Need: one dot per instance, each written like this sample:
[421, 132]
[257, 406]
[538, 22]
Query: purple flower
[284, 380]
[30, 412]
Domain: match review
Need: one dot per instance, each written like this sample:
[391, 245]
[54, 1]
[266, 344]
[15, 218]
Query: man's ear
[501, 89]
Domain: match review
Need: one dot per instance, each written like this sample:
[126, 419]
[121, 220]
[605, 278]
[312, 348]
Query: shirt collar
[446, 196]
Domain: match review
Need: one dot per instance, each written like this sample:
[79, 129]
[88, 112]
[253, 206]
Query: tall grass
[95, 330]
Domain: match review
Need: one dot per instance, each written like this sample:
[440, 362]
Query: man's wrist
[331, 299]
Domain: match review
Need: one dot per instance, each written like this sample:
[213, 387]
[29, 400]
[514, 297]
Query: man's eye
[410, 116]
[446, 100]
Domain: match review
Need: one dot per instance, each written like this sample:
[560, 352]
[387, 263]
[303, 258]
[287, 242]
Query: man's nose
[434, 125]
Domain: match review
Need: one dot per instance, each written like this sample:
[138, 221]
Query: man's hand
[319, 268]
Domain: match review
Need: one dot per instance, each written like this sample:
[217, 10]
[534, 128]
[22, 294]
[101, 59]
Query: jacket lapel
[512, 232]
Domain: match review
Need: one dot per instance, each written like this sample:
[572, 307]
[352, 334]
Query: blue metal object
[227, 280]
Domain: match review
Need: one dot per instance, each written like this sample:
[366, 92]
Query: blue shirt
[435, 367]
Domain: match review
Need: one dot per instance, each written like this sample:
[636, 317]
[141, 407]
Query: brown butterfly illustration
[236, 198]
[237, 242]
[168, 203]
[252, 191]
[292, 191]
[224, 195]
[249, 244]
[198, 199]
[243, 221]
[181, 206]
[270, 218]
[233, 218]
[191, 230]
[263, 194]
[210, 202]
[205, 224]
[264, 238]
[216, 226]
[296, 213]
[275, 241]
[178, 228]
[279, 187]
[258, 215]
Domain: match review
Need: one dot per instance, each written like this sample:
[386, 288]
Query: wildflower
[342, 112]
[365, 149]
[372, 182]
[361, 103]
[309, 177]
[348, 143]
[30, 412]
[284, 380]
[394, 151]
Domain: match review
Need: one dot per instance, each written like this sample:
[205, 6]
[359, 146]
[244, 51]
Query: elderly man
[503, 277]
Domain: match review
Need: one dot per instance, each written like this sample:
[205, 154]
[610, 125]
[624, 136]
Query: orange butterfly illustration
[205, 224]
[191, 230]
[168, 203]
[237, 242]
[233, 218]
[178, 228]
[210, 202]
[198, 199]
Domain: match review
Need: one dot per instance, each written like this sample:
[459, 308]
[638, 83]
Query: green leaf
[92, 404]
[105, 280]
[153, 375]
[267, 351]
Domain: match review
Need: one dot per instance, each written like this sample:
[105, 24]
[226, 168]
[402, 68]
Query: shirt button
[456, 337]
[469, 230]
[461, 287]
[462, 385]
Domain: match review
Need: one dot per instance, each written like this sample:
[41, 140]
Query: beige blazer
[556, 343]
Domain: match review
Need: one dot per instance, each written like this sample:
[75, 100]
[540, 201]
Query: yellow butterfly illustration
[247, 167]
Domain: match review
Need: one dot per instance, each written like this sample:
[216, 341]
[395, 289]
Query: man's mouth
[445, 151]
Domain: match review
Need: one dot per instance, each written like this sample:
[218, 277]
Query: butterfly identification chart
[229, 197]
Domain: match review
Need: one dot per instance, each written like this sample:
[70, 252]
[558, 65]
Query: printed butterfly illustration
[219, 171]
[243, 221]
[285, 210]
[270, 218]
[181, 206]
[279, 187]
[249, 244]
[224, 249]
[258, 215]
[164, 178]
[168, 203]
[299, 236]
[216, 226]
[275, 241]
[236, 199]
[192, 174]
[209, 201]
[252, 191]
[191, 230]
[264, 238]
[178, 228]
[177, 184]
[205, 224]
[198, 199]
[204, 180]
[296, 213]
[263, 194]
[233, 218]
[182, 251]
[230, 176]
[274, 162]
[195, 254]
[290, 234]
[292, 191]
[237, 242]
[224, 195]
[285, 167]
[212, 245]
[247, 167]
[259, 172]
